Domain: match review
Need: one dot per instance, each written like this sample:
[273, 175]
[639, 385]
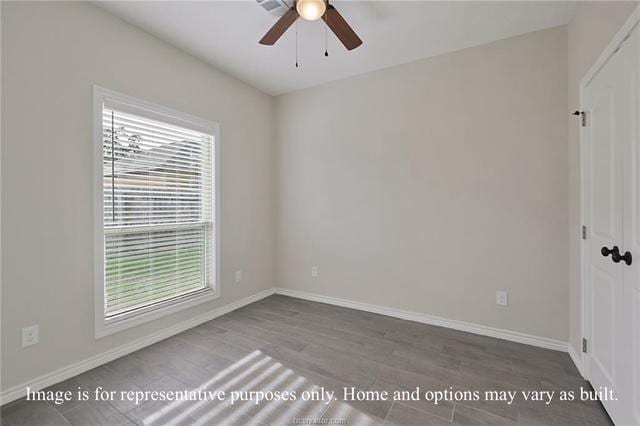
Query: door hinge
[584, 232]
[583, 117]
[584, 345]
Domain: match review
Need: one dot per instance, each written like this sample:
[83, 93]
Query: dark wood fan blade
[341, 29]
[280, 27]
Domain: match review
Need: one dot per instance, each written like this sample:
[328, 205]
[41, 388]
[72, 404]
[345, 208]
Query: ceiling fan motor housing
[274, 7]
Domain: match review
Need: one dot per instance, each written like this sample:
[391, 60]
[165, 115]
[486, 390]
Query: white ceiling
[226, 33]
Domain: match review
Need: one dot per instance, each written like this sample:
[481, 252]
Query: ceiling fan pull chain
[326, 51]
[296, 44]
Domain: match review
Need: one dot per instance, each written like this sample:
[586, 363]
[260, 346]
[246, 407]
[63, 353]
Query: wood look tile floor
[283, 343]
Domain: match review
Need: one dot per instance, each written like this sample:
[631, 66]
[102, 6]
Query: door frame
[603, 58]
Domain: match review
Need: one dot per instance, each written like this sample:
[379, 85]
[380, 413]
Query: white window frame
[104, 327]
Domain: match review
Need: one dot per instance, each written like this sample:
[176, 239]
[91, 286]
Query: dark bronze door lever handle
[616, 257]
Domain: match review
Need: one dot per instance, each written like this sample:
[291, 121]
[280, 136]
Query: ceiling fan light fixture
[311, 10]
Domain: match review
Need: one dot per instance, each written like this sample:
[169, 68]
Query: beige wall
[431, 185]
[592, 28]
[52, 54]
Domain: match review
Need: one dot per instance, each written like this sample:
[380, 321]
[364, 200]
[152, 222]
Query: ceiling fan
[312, 10]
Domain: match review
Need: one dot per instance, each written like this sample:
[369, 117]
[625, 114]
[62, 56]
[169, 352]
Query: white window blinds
[158, 195]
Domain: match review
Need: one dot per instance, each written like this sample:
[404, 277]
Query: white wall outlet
[502, 298]
[314, 271]
[238, 276]
[30, 335]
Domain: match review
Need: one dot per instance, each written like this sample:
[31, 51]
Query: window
[156, 194]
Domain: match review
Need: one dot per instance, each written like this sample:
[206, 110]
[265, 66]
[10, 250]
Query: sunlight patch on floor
[254, 372]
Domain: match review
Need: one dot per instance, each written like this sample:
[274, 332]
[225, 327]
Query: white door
[612, 214]
[631, 227]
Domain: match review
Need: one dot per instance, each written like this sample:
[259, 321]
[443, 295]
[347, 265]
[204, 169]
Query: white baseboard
[498, 333]
[576, 357]
[72, 370]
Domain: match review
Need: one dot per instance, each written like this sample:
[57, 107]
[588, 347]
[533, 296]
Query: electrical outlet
[502, 298]
[314, 271]
[30, 335]
[238, 276]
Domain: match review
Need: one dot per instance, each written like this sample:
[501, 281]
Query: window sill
[106, 327]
